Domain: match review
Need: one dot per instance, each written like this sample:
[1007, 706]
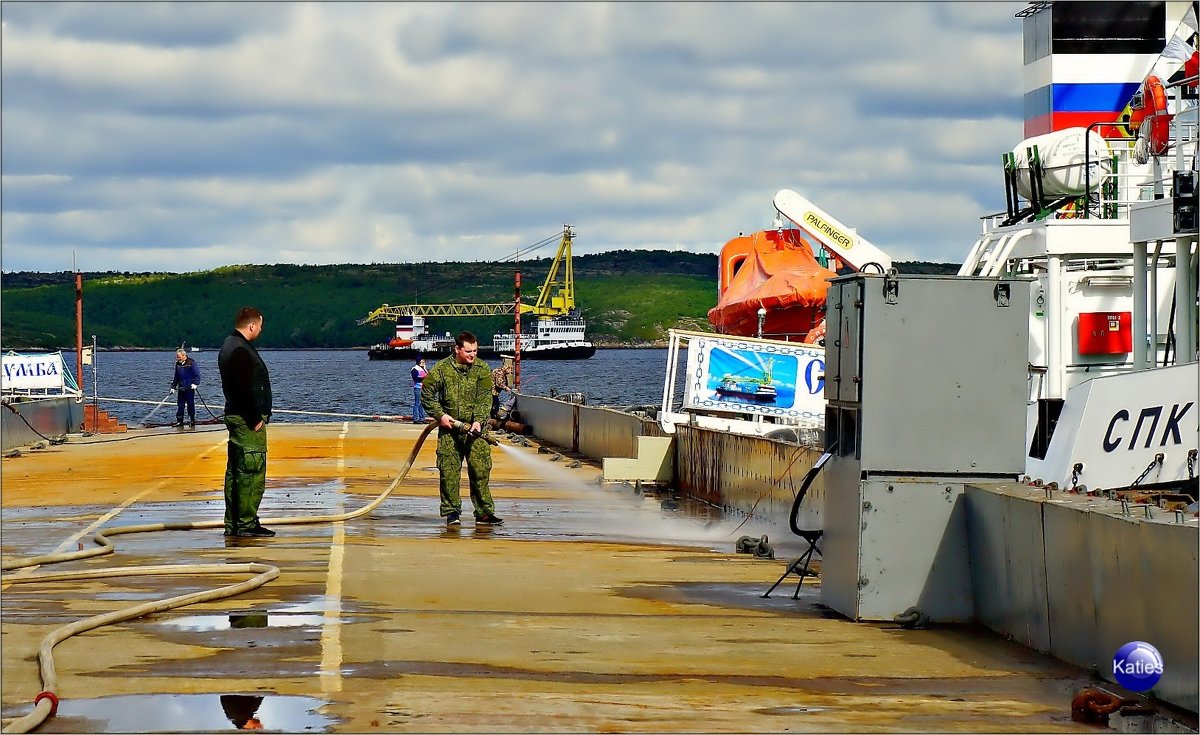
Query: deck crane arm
[392, 312]
[840, 240]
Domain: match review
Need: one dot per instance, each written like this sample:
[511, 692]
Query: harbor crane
[556, 297]
[559, 331]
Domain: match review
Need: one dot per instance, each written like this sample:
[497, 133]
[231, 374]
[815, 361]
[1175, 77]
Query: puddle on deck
[168, 713]
[287, 616]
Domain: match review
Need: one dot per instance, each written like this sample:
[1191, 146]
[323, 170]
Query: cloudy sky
[185, 136]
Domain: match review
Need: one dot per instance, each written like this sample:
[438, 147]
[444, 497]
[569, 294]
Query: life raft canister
[1149, 106]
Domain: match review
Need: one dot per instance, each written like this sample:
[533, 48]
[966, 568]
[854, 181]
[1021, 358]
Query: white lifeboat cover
[1064, 154]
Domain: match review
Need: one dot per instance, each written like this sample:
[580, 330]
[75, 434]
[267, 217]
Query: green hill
[628, 297]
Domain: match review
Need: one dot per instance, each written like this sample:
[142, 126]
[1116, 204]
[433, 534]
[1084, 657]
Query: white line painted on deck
[331, 631]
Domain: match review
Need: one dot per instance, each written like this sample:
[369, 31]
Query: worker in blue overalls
[184, 384]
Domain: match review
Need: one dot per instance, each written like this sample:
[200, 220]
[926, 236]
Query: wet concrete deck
[591, 609]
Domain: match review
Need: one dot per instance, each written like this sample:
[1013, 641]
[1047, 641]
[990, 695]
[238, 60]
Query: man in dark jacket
[247, 388]
[187, 378]
[459, 388]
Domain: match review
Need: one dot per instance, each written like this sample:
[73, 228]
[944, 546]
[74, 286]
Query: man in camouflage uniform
[499, 386]
[459, 388]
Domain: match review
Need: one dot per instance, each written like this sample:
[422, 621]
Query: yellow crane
[556, 297]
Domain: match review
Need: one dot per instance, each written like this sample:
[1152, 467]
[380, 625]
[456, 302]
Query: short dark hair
[246, 315]
[465, 337]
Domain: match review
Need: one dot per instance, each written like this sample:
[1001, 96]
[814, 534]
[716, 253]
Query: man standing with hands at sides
[187, 377]
[458, 391]
[247, 388]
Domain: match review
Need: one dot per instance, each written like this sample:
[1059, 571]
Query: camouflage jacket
[461, 391]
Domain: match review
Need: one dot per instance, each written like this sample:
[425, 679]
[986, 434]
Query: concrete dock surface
[591, 609]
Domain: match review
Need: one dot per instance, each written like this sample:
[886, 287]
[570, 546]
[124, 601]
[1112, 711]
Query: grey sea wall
[1078, 577]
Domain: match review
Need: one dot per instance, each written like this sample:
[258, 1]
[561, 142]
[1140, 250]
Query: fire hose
[46, 702]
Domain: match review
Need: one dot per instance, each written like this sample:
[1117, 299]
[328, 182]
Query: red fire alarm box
[1105, 333]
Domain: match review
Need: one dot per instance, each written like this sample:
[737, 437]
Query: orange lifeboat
[399, 342]
[775, 270]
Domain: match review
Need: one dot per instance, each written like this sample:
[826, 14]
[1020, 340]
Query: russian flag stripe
[1089, 97]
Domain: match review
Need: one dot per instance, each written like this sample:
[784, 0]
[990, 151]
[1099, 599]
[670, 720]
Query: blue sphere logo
[1137, 666]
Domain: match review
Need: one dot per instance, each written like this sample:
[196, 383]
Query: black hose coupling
[466, 429]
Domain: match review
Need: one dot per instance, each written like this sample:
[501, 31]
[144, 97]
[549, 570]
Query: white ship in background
[559, 332]
[554, 338]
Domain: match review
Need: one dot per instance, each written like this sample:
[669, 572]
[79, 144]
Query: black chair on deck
[800, 566]
[812, 537]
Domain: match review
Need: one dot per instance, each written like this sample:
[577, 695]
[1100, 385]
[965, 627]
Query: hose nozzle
[466, 429]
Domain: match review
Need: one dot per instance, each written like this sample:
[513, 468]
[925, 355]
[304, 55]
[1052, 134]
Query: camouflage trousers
[245, 474]
[452, 447]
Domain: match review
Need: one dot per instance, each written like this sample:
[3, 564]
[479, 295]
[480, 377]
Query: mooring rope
[332, 414]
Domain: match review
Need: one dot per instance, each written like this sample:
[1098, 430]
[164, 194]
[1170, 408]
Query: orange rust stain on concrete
[176, 466]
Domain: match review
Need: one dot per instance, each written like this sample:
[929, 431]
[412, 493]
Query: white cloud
[183, 136]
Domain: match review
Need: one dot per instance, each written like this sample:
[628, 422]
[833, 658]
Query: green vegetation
[629, 297]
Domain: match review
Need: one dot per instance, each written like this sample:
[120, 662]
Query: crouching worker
[458, 393]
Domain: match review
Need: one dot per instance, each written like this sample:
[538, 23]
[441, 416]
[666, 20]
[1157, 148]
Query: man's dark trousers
[245, 474]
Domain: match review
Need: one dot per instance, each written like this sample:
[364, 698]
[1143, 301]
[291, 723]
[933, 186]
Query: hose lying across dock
[46, 702]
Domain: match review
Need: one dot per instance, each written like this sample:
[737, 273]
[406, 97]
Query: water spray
[157, 406]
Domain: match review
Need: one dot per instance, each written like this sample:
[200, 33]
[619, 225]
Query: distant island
[630, 299]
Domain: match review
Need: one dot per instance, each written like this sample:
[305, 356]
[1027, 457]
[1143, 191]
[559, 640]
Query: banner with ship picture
[752, 376]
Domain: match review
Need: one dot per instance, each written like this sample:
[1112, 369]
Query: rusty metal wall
[51, 417]
[747, 474]
[604, 432]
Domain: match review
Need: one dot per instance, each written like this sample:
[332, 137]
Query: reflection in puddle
[187, 713]
[288, 616]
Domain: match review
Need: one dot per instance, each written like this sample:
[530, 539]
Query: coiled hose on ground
[46, 702]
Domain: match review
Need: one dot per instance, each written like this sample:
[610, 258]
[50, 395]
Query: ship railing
[785, 336]
[1129, 182]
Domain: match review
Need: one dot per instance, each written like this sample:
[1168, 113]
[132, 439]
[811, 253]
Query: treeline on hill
[629, 297]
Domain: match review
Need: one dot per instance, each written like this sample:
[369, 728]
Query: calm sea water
[345, 381]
